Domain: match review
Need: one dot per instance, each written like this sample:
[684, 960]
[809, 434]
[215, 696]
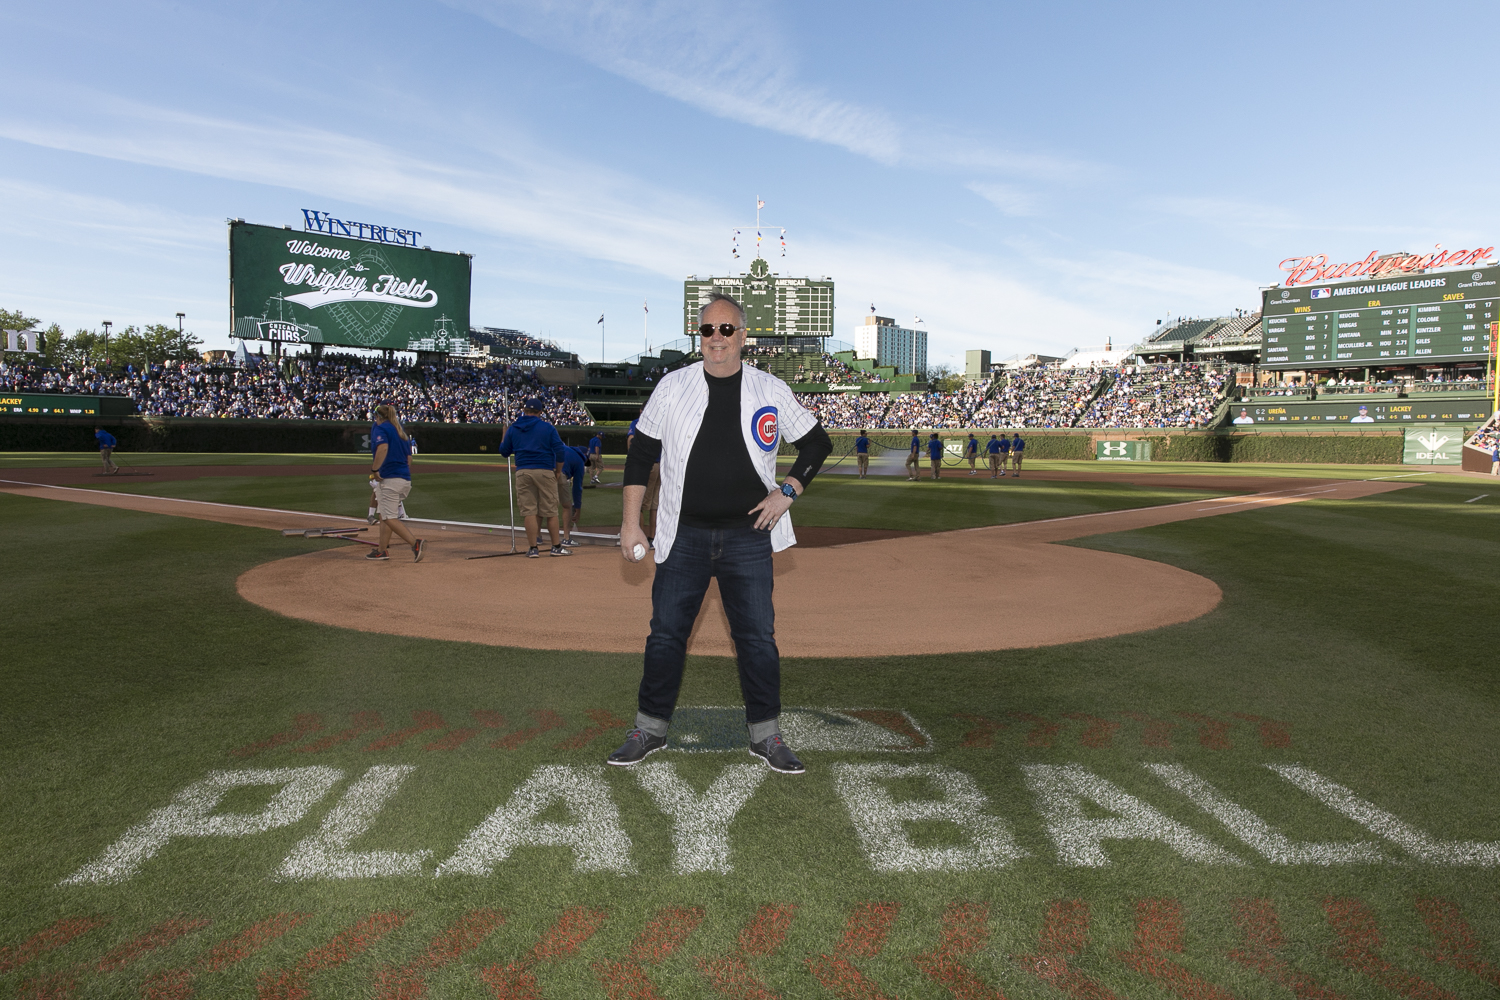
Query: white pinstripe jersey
[673, 414]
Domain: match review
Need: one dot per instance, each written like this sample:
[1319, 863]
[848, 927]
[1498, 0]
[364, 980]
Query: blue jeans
[741, 560]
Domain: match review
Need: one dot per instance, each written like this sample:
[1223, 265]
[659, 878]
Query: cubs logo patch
[763, 427]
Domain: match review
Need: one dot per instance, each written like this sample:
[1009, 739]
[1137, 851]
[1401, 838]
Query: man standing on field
[914, 457]
[539, 470]
[993, 450]
[862, 452]
[935, 454]
[106, 450]
[1017, 447]
[715, 428]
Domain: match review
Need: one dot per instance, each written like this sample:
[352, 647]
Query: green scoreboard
[1388, 321]
[774, 306]
[308, 288]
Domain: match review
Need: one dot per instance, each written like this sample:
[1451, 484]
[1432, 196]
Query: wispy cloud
[733, 61]
[530, 194]
[1008, 198]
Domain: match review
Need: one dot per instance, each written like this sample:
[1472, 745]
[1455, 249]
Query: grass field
[1022, 848]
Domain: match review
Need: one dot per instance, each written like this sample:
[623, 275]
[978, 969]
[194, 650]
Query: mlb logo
[1322, 293]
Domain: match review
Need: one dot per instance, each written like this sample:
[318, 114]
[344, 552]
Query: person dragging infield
[715, 427]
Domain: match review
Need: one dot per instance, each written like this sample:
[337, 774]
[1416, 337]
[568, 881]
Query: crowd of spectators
[847, 410]
[1485, 438]
[1039, 397]
[935, 409]
[1183, 395]
[334, 387]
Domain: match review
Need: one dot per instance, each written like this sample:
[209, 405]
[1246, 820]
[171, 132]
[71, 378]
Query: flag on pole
[645, 305]
[759, 204]
[601, 317]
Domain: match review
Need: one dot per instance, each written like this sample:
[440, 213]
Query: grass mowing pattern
[1360, 629]
[887, 502]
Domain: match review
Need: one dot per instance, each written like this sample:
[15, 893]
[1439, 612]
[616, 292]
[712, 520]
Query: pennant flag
[760, 204]
[645, 305]
[601, 317]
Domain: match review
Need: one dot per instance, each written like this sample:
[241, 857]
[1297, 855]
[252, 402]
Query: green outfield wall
[1351, 446]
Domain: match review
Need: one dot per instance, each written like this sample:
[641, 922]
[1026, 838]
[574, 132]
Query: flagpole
[645, 325]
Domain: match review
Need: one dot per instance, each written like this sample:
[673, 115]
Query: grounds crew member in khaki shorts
[539, 469]
[390, 472]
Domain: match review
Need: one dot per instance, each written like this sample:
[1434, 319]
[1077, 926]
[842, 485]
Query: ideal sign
[1441, 444]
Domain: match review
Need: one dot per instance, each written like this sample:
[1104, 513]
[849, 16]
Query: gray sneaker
[638, 743]
[777, 755]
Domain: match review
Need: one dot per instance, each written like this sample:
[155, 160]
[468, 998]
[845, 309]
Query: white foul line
[1479, 497]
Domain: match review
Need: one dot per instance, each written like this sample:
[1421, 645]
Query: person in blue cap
[935, 454]
[538, 451]
[1017, 449]
[596, 454]
[862, 452]
[971, 452]
[106, 450]
[914, 457]
[993, 450]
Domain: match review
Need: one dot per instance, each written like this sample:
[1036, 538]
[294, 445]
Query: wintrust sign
[1315, 267]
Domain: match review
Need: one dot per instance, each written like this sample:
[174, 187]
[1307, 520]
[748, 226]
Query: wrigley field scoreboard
[1397, 320]
[775, 306]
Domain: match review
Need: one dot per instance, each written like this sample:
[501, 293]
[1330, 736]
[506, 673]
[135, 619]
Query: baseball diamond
[1079, 733]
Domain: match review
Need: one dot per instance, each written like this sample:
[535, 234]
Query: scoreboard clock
[1403, 320]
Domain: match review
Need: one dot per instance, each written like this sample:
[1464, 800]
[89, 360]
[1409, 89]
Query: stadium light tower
[107, 324]
[179, 323]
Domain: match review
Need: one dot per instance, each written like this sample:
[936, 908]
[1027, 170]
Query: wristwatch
[789, 491]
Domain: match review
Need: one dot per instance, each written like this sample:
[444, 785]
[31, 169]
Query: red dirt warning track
[1000, 587]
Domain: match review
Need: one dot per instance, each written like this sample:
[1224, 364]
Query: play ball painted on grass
[639, 552]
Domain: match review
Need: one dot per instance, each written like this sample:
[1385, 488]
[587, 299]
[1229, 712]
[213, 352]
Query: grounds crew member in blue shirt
[1004, 455]
[935, 453]
[106, 450]
[596, 453]
[570, 491]
[1017, 446]
[862, 453]
[715, 428]
[539, 468]
[993, 450]
[390, 470]
[914, 457]
[971, 452]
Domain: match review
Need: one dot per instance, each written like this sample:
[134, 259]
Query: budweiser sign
[1315, 267]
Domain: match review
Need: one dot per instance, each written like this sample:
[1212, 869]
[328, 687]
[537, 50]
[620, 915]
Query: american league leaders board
[1410, 319]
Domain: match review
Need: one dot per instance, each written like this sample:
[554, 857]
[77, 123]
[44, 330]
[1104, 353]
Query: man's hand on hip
[772, 507]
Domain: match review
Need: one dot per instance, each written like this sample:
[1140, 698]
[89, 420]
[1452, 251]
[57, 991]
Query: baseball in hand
[639, 552]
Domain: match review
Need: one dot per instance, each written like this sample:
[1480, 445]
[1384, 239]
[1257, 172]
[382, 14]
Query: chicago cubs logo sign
[763, 427]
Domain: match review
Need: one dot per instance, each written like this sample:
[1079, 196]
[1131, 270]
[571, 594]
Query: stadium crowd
[1165, 396]
[1039, 397]
[335, 387]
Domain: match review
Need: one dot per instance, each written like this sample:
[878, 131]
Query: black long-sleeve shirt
[721, 484]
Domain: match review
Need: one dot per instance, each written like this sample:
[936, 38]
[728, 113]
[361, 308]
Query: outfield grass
[878, 502]
[1363, 629]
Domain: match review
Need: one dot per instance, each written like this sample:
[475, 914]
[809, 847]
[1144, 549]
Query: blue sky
[1024, 177]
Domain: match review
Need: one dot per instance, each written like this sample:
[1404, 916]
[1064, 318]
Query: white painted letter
[1059, 789]
[1256, 832]
[189, 816]
[598, 841]
[326, 853]
[700, 823]
[1485, 854]
[881, 821]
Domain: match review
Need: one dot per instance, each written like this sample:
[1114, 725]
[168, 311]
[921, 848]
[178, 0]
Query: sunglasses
[727, 330]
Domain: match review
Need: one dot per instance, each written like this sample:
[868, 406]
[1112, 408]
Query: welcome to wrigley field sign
[318, 288]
